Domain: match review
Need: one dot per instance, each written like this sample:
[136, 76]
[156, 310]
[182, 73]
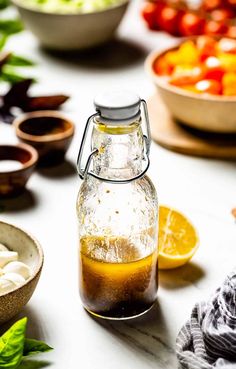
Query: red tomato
[215, 28]
[222, 15]
[191, 24]
[231, 3]
[161, 67]
[149, 13]
[167, 19]
[214, 70]
[206, 46]
[209, 86]
[232, 32]
[212, 4]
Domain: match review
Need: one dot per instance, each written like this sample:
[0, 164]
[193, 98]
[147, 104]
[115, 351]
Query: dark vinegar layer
[116, 289]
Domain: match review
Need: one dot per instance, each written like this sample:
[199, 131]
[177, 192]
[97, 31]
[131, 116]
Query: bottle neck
[120, 150]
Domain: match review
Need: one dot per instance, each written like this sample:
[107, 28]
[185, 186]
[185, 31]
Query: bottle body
[117, 212]
[118, 275]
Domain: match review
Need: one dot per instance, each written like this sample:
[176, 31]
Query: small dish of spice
[49, 132]
[17, 163]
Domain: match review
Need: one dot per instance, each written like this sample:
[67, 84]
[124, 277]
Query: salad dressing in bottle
[117, 212]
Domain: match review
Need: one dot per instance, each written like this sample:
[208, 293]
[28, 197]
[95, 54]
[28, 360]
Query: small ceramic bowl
[74, 31]
[13, 181]
[207, 113]
[49, 132]
[30, 253]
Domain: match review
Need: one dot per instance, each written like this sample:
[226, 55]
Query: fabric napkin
[208, 339]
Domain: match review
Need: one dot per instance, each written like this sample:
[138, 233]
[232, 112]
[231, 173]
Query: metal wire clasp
[84, 172]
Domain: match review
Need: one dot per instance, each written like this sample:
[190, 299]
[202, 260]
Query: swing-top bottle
[117, 211]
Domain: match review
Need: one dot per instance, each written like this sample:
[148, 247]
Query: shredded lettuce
[71, 6]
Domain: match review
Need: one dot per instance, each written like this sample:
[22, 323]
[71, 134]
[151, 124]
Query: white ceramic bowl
[30, 253]
[207, 113]
[75, 31]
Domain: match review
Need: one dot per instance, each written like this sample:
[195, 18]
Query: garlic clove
[19, 268]
[6, 286]
[15, 278]
[6, 257]
[3, 247]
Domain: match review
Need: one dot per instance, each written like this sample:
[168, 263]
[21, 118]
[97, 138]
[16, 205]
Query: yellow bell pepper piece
[228, 62]
[187, 54]
[229, 84]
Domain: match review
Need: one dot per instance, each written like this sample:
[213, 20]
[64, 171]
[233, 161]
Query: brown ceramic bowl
[204, 112]
[13, 182]
[30, 252]
[49, 132]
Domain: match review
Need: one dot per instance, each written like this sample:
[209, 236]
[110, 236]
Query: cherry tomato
[209, 86]
[148, 14]
[191, 88]
[231, 3]
[232, 32]
[215, 28]
[212, 4]
[214, 69]
[161, 67]
[227, 45]
[222, 15]
[206, 46]
[167, 20]
[191, 24]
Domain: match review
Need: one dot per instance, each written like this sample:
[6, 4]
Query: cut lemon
[178, 239]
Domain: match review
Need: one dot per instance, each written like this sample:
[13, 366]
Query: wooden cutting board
[176, 137]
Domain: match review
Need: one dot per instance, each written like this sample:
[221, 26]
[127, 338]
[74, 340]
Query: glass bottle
[117, 212]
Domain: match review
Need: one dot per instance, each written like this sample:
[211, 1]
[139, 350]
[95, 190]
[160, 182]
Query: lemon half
[178, 239]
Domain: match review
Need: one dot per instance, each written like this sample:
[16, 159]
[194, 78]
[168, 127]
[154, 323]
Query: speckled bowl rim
[41, 258]
[30, 163]
[161, 82]
[19, 4]
[44, 138]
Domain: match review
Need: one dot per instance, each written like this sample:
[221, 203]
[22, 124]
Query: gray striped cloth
[208, 339]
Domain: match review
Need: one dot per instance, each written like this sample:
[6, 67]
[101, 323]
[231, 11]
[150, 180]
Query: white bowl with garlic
[21, 261]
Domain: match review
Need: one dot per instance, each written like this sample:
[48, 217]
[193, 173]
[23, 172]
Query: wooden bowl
[49, 132]
[73, 31]
[204, 112]
[30, 253]
[13, 182]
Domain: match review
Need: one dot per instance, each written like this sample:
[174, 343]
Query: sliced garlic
[19, 268]
[6, 285]
[3, 247]
[15, 278]
[6, 257]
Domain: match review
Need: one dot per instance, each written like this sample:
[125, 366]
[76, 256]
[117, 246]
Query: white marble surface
[204, 189]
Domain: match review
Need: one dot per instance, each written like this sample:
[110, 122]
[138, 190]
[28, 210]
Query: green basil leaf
[3, 40]
[11, 77]
[4, 4]
[10, 26]
[33, 364]
[12, 345]
[33, 347]
[19, 61]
